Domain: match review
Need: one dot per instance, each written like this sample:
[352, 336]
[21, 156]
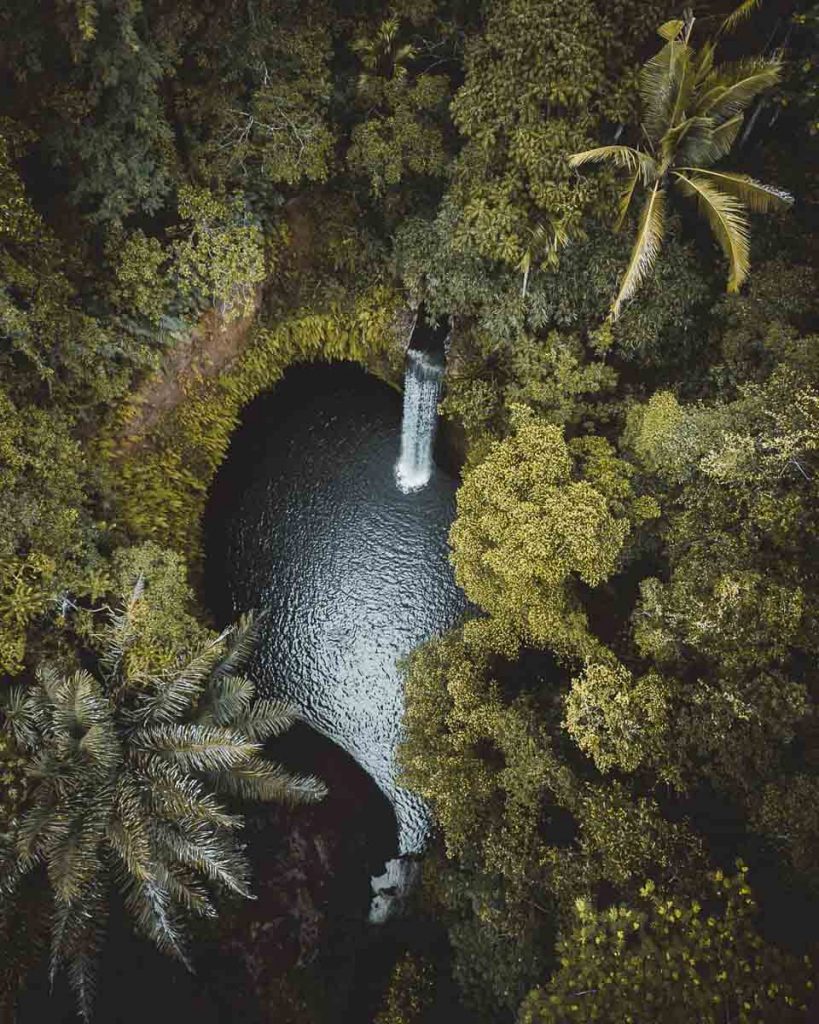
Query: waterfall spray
[422, 389]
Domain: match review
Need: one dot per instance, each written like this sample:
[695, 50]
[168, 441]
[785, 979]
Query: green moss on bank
[159, 485]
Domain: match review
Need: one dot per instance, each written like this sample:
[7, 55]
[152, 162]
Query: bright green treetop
[535, 517]
[671, 959]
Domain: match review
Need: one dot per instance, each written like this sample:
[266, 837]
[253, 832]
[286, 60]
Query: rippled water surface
[306, 520]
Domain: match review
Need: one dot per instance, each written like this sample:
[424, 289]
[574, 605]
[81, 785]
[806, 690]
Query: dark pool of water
[306, 522]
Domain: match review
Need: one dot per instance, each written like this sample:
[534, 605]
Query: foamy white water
[422, 390]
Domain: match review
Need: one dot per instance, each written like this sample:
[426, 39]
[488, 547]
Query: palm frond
[127, 843]
[661, 79]
[73, 861]
[40, 827]
[186, 889]
[82, 978]
[710, 143]
[166, 700]
[626, 157]
[83, 955]
[646, 247]
[731, 87]
[178, 797]
[127, 831]
[240, 642]
[683, 131]
[679, 100]
[259, 779]
[226, 699]
[739, 14]
[18, 717]
[79, 705]
[266, 718]
[121, 631]
[40, 710]
[626, 197]
[545, 239]
[726, 217]
[66, 926]
[151, 906]
[201, 748]
[756, 195]
[123, 790]
[704, 62]
[101, 746]
[12, 869]
[207, 851]
[671, 29]
[49, 678]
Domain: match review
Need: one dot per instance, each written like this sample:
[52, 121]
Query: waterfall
[422, 389]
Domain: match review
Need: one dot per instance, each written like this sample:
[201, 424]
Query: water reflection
[306, 520]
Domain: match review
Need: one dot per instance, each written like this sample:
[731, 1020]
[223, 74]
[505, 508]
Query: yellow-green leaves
[143, 286]
[671, 29]
[661, 956]
[617, 720]
[527, 527]
[219, 261]
[537, 79]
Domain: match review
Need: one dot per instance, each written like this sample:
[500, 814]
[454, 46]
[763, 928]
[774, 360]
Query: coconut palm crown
[125, 778]
[693, 110]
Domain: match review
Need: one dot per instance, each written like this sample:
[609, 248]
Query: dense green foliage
[193, 197]
[671, 959]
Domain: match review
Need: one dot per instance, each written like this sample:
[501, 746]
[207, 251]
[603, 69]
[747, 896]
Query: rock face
[202, 350]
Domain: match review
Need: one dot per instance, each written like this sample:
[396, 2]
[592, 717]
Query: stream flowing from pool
[351, 569]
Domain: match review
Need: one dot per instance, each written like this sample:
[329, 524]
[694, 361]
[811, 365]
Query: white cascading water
[422, 389]
[391, 890]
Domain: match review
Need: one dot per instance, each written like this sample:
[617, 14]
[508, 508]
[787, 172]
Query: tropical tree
[692, 115]
[125, 774]
[383, 55]
[538, 520]
[543, 244]
[666, 956]
[739, 14]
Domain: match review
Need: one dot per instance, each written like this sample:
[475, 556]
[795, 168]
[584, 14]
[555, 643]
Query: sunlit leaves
[672, 957]
[527, 527]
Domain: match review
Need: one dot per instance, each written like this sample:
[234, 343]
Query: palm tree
[740, 13]
[382, 56]
[693, 111]
[543, 244]
[125, 779]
